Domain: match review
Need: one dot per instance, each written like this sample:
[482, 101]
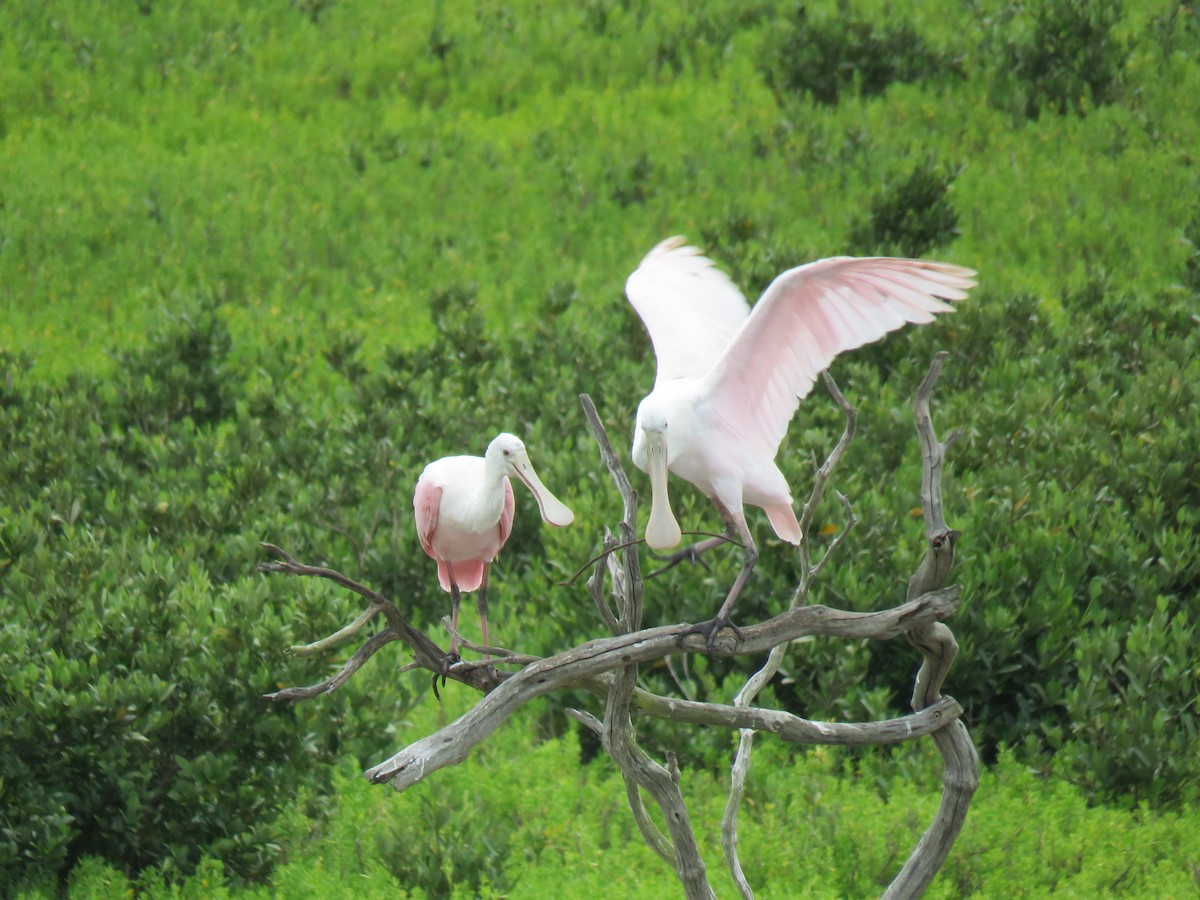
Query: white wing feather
[690, 308]
[806, 317]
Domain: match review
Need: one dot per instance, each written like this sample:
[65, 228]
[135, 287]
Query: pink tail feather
[468, 575]
[783, 520]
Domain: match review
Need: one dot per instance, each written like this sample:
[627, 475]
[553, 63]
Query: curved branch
[793, 729]
[960, 776]
[428, 654]
[329, 685]
[453, 743]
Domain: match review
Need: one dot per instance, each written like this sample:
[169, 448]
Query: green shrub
[1058, 56]
[137, 638]
[908, 217]
[827, 56]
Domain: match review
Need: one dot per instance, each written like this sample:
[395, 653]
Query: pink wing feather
[690, 308]
[427, 501]
[506, 517]
[806, 317]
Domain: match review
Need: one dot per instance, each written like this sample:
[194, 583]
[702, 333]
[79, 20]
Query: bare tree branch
[329, 685]
[428, 654]
[338, 636]
[573, 668]
[960, 776]
[638, 770]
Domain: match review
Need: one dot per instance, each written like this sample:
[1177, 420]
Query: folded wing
[806, 317]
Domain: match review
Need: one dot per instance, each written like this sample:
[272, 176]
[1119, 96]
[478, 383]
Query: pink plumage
[461, 553]
[730, 378]
[463, 507]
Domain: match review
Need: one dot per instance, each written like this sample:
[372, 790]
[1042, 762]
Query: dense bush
[1057, 56]
[825, 56]
[135, 643]
[910, 216]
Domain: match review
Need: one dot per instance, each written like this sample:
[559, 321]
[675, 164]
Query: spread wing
[806, 317]
[690, 307]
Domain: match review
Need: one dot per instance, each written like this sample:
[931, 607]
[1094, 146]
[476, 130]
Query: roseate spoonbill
[730, 379]
[464, 508]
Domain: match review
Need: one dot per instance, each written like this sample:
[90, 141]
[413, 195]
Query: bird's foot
[449, 662]
[692, 554]
[710, 630]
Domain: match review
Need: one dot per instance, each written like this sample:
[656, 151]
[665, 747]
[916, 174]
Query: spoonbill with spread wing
[730, 379]
[464, 508]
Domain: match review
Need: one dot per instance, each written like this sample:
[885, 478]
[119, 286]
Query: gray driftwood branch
[938, 648]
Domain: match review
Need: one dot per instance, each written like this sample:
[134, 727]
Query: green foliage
[1058, 56]
[455, 844]
[137, 641]
[909, 217]
[826, 56]
[804, 831]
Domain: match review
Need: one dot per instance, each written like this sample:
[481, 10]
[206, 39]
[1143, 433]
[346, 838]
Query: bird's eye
[508, 453]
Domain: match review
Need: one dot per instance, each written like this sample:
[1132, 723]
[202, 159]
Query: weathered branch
[338, 636]
[329, 685]
[428, 654]
[573, 668]
[638, 770]
[938, 648]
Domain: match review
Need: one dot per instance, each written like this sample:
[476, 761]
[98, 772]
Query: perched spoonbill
[730, 379]
[464, 508]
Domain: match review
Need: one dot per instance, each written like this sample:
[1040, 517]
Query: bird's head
[507, 453]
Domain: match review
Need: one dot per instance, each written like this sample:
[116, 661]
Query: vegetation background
[259, 263]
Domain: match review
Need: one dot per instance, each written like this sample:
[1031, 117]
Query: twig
[499, 654]
[428, 654]
[317, 646]
[329, 685]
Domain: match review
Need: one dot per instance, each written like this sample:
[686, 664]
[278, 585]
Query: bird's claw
[691, 554]
[710, 630]
[450, 662]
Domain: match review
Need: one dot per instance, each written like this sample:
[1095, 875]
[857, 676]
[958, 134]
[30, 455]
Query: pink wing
[690, 308]
[427, 501]
[806, 317]
[506, 517]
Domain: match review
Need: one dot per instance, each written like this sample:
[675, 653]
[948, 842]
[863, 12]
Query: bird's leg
[692, 552]
[455, 599]
[713, 626]
[481, 604]
[452, 657]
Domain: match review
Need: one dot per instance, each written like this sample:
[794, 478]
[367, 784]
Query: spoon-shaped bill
[662, 531]
[553, 510]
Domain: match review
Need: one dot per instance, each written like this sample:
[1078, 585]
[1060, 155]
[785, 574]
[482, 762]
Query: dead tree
[608, 668]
